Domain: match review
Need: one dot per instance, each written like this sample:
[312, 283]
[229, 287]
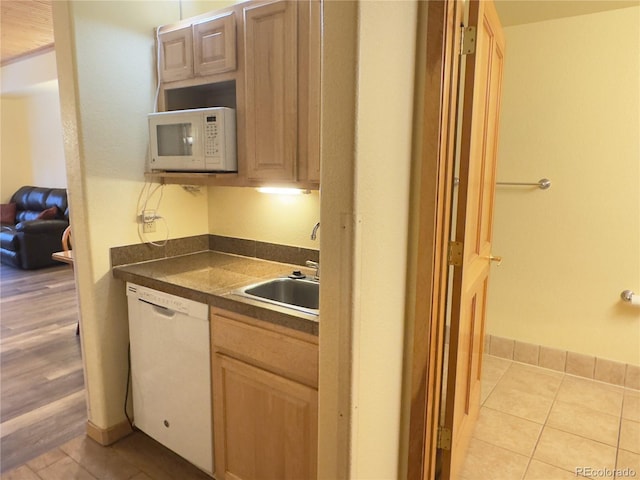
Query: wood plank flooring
[136, 457]
[42, 397]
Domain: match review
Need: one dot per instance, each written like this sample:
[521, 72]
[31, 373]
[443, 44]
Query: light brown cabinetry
[176, 54]
[271, 69]
[214, 45]
[309, 54]
[203, 48]
[261, 58]
[265, 399]
[282, 88]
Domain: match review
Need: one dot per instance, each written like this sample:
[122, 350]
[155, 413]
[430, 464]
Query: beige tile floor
[538, 424]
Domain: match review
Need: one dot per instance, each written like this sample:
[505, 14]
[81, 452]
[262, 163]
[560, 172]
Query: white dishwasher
[171, 372]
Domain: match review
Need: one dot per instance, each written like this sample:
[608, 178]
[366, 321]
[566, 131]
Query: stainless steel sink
[299, 294]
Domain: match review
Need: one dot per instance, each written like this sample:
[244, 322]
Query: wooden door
[214, 43]
[479, 135]
[176, 54]
[271, 90]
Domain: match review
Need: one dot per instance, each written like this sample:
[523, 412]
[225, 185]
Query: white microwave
[201, 139]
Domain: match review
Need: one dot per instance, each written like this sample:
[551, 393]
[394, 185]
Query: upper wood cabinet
[205, 48]
[214, 44]
[271, 89]
[309, 73]
[263, 59]
[282, 90]
[176, 54]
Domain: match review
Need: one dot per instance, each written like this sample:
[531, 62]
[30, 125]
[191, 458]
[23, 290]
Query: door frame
[432, 189]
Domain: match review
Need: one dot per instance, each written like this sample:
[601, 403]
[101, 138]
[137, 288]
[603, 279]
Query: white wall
[26, 75]
[383, 160]
[571, 108]
[45, 134]
[247, 213]
[31, 133]
[367, 79]
[339, 73]
[15, 147]
[106, 71]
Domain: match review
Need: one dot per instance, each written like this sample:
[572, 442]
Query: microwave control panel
[219, 135]
[211, 136]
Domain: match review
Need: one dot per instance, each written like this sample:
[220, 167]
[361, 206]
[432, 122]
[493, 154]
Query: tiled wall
[144, 252]
[587, 366]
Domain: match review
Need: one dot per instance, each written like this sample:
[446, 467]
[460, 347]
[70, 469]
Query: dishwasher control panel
[168, 301]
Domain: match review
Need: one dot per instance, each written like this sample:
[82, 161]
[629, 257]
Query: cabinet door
[215, 45]
[271, 93]
[265, 424]
[309, 28]
[176, 54]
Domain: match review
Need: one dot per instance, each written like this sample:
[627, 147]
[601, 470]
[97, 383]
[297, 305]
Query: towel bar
[542, 184]
[628, 296]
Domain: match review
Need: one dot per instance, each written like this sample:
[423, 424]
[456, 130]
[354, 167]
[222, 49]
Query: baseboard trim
[587, 366]
[110, 435]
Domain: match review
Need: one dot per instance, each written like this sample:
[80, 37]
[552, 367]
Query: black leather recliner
[29, 243]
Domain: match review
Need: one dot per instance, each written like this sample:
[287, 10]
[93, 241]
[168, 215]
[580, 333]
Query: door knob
[496, 259]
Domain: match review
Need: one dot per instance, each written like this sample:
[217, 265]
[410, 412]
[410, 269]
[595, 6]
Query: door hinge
[444, 438]
[468, 43]
[454, 256]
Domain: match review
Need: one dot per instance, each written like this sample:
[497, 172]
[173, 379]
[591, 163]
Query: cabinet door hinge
[454, 256]
[444, 439]
[468, 43]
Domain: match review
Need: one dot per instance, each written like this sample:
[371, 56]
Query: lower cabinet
[265, 400]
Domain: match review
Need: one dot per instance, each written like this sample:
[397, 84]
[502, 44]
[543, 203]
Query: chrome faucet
[315, 265]
[314, 232]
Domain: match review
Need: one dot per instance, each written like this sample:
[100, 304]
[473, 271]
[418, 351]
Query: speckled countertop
[211, 277]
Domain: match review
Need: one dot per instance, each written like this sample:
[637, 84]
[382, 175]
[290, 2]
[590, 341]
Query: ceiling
[27, 28]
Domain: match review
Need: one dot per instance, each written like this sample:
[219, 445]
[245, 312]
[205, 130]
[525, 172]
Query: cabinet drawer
[271, 350]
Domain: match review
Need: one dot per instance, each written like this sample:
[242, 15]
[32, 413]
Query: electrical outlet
[148, 216]
[149, 227]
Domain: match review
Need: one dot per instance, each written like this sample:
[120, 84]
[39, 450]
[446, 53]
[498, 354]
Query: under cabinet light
[282, 191]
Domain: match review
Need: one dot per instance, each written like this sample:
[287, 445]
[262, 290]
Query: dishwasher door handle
[159, 309]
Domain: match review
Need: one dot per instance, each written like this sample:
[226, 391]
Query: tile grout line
[615, 466]
[91, 475]
[544, 425]
[530, 456]
[565, 381]
[587, 438]
[496, 382]
[555, 400]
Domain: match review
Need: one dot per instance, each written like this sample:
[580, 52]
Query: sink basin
[299, 294]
